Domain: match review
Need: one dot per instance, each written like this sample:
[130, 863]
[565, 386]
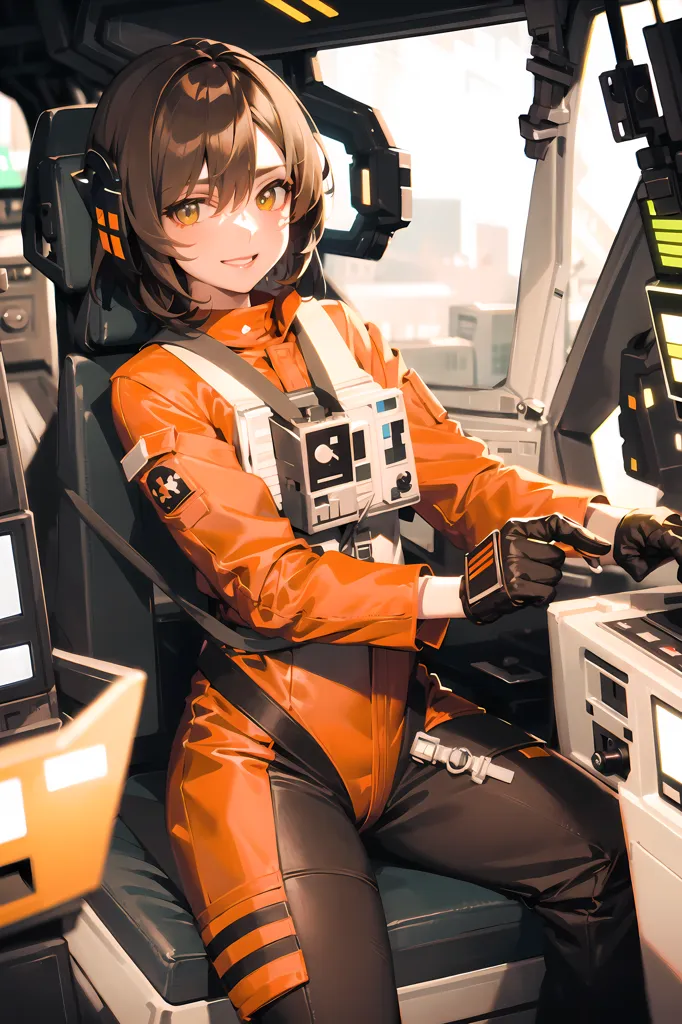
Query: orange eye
[187, 213]
[271, 198]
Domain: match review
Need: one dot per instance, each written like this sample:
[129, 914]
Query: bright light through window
[445, 290]
[10, 603]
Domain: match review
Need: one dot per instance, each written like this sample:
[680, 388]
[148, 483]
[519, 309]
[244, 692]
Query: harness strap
[294, 740]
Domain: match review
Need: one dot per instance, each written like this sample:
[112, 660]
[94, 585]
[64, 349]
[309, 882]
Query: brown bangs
[174, 110]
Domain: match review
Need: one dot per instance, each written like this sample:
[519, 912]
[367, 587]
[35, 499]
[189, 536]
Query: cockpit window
[445, 290]
[15, 141]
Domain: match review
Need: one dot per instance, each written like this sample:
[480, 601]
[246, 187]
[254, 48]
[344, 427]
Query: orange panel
[116, 242]
[534, 752]
[100, 216]
[113, 221]
[104, 239]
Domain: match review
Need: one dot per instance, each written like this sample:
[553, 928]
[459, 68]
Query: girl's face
[235, 248]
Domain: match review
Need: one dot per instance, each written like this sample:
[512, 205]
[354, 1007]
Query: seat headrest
[57, 230]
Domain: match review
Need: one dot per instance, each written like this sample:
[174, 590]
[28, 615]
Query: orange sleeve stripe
[480, 556]
[256, 939]
[267, 983]
[252, 895]
[481, 567]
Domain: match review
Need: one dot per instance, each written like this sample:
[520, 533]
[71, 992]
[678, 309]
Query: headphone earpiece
[99, 185]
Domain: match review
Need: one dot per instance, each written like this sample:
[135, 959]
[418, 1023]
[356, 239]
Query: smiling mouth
[245, 261]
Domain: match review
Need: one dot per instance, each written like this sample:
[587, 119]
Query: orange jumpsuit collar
[253, 326]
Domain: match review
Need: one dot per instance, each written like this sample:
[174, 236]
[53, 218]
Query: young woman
[223, 176]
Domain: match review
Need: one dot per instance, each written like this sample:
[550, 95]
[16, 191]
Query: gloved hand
[520, 565]
[647, 537]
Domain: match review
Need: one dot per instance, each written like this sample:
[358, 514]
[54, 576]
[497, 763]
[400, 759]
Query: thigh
[553, 824]
[278, 880]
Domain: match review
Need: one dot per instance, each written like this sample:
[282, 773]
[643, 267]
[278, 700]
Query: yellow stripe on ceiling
[325, 9]
[288, 9]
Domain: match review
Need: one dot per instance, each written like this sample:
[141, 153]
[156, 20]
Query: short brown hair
[167, 113]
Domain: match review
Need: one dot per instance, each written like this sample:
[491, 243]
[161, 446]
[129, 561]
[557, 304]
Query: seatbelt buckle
[424, 748]
[427, 749]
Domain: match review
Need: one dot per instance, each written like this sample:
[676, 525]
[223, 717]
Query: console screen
[669, 730]
[669, 620]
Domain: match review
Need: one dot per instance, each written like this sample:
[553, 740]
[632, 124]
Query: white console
[617, 673]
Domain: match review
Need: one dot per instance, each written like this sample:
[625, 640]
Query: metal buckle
[424, 748]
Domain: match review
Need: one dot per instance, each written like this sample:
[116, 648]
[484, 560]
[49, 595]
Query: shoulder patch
[167, 488]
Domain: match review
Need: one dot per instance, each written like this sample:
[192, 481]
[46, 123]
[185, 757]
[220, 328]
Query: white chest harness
[335, 455]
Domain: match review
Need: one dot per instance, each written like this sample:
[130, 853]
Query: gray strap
[227, 359]
[250, 641]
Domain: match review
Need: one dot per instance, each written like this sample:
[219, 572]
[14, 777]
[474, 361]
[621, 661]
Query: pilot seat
[461, 953]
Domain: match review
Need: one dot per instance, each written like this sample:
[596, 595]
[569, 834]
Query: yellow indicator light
[365, 187]
[288, 9]
[672, 328]
[325, 9]
[677, 370]
[668, 236]
[671, 261]
[633, 465]
[632, 402]
[675, 351]
[678, 442]
[666, 225]
[651, 207]
[670, 250]
[648, 398]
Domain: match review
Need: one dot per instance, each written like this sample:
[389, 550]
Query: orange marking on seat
[118, 250]
[535, 752]
[100, 215]
[113, 221]
[104, 239]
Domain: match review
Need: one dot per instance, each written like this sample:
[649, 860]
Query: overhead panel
[109, 33]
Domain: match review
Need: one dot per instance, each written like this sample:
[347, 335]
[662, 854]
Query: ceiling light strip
[325, 9]
[288, 10]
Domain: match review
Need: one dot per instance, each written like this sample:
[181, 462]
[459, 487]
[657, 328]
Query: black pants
[552, 839]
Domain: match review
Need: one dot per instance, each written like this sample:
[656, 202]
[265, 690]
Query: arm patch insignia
[167, 488]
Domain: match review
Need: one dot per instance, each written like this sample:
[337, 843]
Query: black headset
[98, 182]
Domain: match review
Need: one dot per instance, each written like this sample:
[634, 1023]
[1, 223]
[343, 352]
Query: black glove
[519, 565]
[647, 537]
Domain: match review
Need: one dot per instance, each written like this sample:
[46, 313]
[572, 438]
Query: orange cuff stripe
[239, 902]
[480, 556]
[481, 568]
[256, 939]
[267, 983]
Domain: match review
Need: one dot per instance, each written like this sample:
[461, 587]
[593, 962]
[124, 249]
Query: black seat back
[99, 605]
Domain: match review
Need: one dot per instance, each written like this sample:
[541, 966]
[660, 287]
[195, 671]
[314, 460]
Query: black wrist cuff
[483, 591]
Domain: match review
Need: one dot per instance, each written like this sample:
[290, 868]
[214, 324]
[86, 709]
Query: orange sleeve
[230, 528]
[465, 491]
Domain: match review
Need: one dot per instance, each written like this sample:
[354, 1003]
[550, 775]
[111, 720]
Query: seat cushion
[438, 926]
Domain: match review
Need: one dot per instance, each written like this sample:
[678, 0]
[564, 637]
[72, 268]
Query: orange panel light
[325, 9]
[288, 9]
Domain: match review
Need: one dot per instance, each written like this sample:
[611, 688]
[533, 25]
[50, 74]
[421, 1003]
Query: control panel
[26, 324]
[617, 677]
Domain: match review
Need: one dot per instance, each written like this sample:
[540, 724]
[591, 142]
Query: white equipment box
[617, 675]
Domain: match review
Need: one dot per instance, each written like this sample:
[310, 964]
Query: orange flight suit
[352, 697]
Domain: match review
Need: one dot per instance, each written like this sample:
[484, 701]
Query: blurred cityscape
[445, 291]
